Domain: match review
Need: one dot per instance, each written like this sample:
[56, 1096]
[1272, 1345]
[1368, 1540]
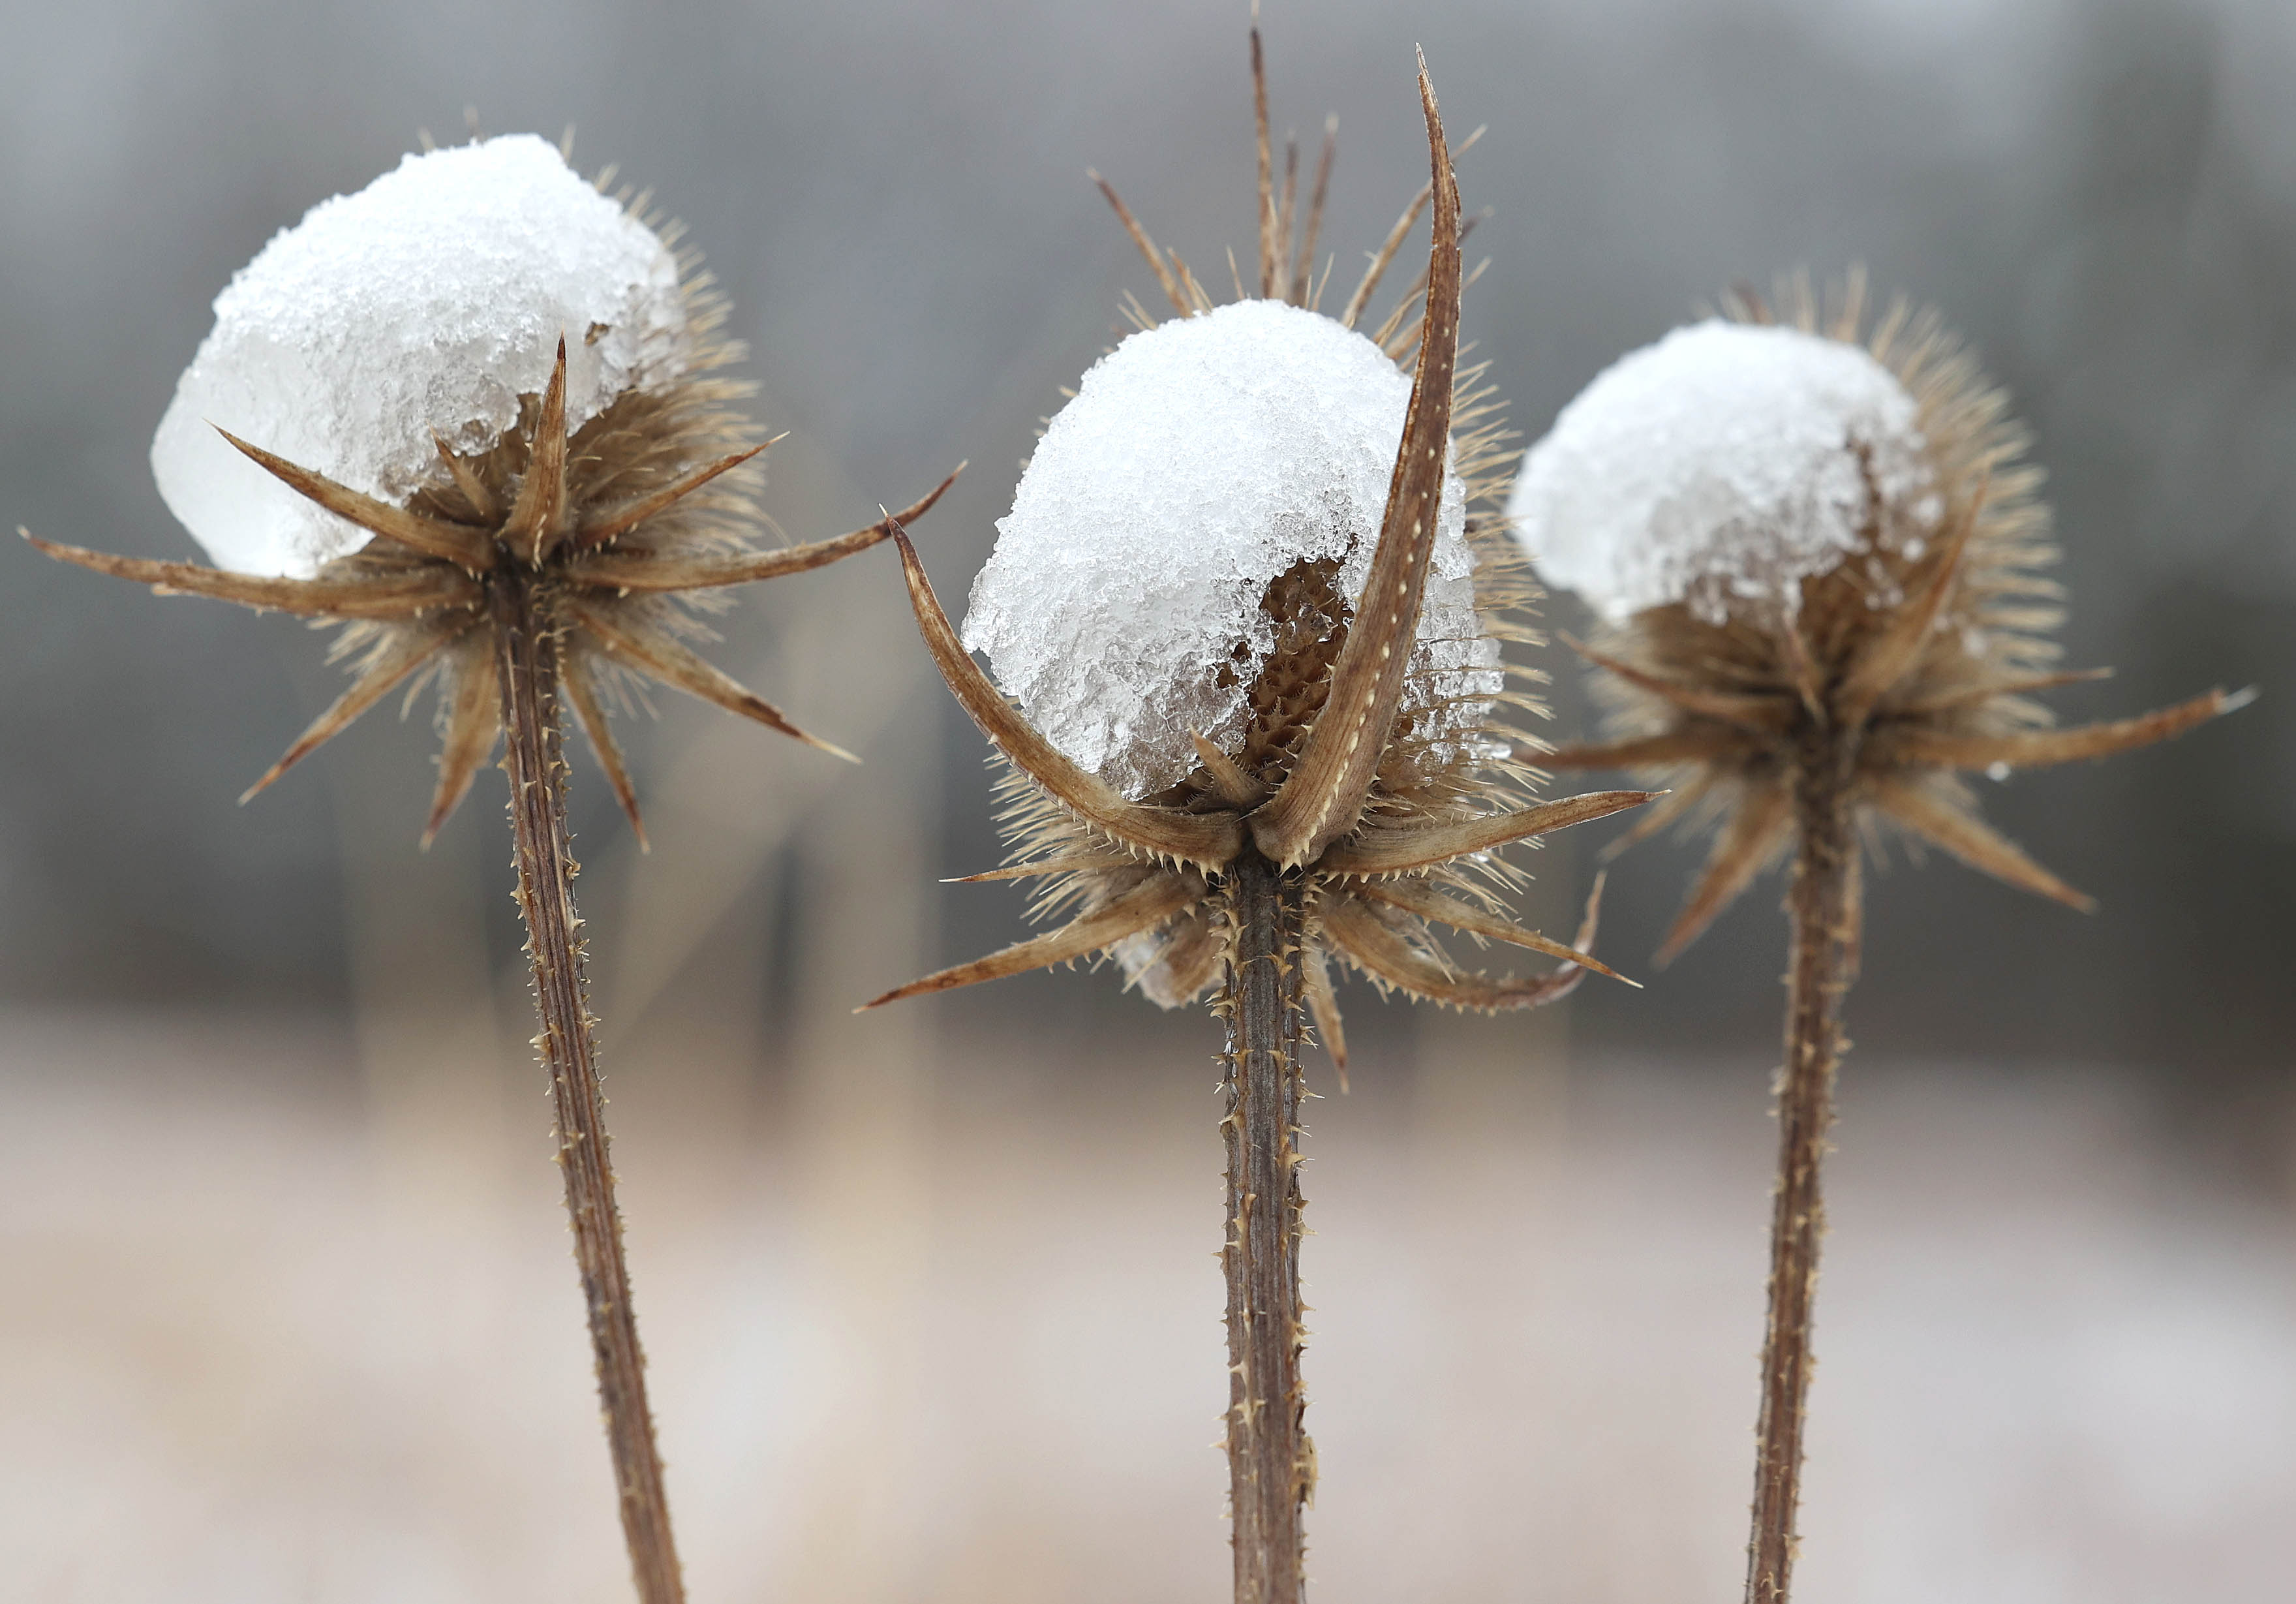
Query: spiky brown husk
[1422, 782]
[1927, 656]
[1371, 901]
[624, 531]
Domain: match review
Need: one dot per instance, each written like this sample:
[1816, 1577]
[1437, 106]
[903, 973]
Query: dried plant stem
[526, 663]
[1821, 906]
[1271, 1462]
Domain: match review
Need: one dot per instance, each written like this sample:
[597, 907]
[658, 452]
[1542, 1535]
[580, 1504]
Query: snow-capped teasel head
[1723, 465]
[1250, 601]
[422, 305]
[1805, 537]
[1200, 461]
[478, 382]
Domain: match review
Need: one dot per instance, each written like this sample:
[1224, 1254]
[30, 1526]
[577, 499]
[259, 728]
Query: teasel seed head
[478, 362]
[1799, 531]
[1240, 619]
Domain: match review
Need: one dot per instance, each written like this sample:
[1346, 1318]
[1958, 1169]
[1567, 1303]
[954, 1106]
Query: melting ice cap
[1199, 461]
[424, 304]
[1721, 467]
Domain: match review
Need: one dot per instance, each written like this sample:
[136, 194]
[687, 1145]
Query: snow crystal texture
[1722, 466]
[1199, 460]
[428, 302]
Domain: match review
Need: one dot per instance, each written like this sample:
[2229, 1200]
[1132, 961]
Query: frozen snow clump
[425, 303]
[1200, 460]
[1720, 467]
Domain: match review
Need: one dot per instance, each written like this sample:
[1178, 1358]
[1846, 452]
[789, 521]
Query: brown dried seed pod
[1926, 648]
[1335, 743]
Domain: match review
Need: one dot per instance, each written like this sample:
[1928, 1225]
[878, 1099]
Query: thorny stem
[526, 662]
[1822, 906]
[1271, 1463]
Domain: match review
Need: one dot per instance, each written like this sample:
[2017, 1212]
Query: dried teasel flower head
[1241, 621]
[480, 367]
[1805, 538]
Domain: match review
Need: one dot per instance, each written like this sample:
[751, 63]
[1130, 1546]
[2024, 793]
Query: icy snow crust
[427, 302]
[1200, 459]
[1720, 467]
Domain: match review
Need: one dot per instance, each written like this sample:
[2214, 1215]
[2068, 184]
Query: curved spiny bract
[1337, 777]
[1926, 661]
[622, 529]
[1327, 786]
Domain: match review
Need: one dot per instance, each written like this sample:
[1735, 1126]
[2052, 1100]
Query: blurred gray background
[2102, 196]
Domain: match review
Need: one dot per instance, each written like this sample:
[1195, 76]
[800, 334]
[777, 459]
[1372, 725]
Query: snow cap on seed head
[424, 305]
[1722, 466]
[1200, 460]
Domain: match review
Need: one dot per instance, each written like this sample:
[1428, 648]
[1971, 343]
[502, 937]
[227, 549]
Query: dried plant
[1804, 700]
[528, 562]
[1352, 790]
